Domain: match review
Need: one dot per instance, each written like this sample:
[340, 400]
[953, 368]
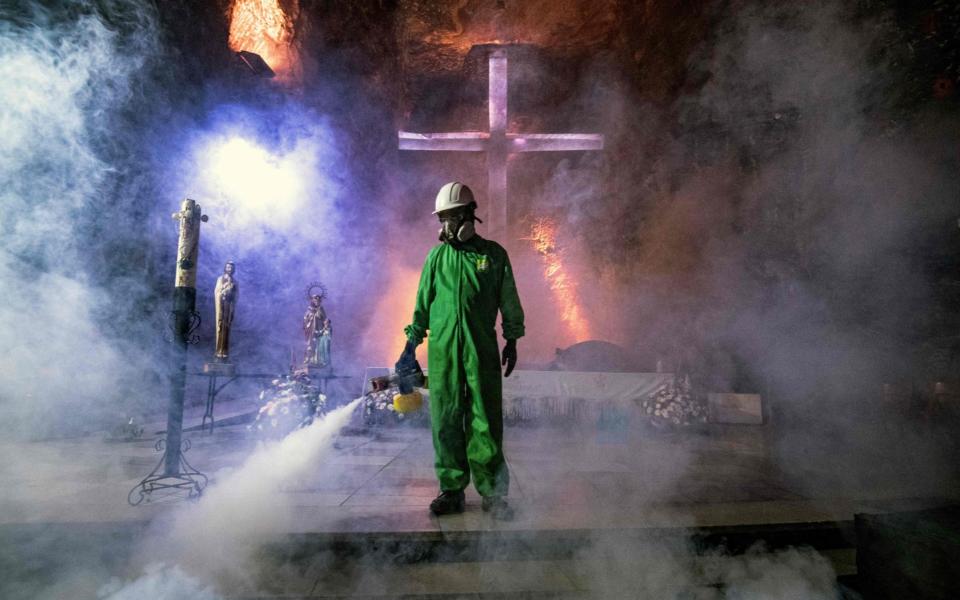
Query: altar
[571, 395]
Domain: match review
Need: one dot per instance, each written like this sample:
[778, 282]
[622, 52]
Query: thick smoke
[765, 233]
[830, 207]
[215, 541]
[764, 226]
[160, 582]
[99, 148]
[71, 351]
[816, 289]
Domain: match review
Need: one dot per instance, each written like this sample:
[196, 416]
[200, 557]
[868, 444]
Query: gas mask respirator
[458, 228]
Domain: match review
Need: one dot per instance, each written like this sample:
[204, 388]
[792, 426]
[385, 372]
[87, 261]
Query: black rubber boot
[497, 507]
[447, 503]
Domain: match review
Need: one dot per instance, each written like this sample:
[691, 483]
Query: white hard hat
[453, 195]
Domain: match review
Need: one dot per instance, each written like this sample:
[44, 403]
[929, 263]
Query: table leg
[211, 396]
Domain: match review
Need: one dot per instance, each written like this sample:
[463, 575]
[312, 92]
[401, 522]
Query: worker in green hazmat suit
[466, 280]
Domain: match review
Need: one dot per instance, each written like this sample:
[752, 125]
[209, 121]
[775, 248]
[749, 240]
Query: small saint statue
[313, 326]
[225, 296]
[325, 335]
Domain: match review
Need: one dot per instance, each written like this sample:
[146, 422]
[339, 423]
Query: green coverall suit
[461, 289]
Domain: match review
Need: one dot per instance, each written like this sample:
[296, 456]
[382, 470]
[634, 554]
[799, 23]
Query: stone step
[513, 580]
[472, 564]
[460, 546]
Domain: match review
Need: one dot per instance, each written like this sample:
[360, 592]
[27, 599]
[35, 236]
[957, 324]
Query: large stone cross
[498, 143]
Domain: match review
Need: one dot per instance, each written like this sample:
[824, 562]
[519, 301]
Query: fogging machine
[407, 378]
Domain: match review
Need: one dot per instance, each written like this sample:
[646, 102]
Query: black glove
[407, 358]
[509, 357]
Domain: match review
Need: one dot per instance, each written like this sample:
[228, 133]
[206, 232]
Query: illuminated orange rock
[267, 28]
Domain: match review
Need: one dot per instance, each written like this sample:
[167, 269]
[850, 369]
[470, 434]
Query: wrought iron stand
[186, 478]
[173, 472]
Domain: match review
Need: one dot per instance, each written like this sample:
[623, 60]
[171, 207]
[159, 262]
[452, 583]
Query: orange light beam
[543, 234]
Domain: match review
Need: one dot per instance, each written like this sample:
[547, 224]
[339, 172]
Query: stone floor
[580, 479]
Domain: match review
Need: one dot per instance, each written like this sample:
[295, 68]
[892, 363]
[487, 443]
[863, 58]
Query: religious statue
[325, 335]
[225, 296]
[314, 321]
